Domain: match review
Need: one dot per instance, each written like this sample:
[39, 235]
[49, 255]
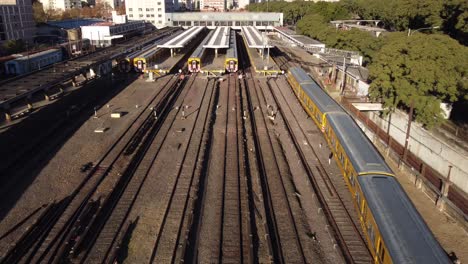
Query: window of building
[159, 3]
[159, 21]
[140, 9]
[131, 15]
[141, 15]
[147, 15]
[130, 9]
[159, 15]
[152, 15]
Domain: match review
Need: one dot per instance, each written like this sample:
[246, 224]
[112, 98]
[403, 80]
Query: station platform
[165, 64]
[295, 39]
[255, 39]
[264, 65]
[219, 39]
[214, 65]
[175, 50]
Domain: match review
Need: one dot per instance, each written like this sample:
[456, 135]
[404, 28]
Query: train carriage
[394, 230]
[316, 101]
[126, 64]
[232, 62]
[146, 59]
[195, 60]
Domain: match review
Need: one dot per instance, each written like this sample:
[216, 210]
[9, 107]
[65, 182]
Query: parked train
[126, 64]
[23, 64]
[146, 59]
[195, 60]
[231, 63]
[394, 229]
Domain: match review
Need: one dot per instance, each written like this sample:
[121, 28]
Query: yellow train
[395, 231]
[231, 63]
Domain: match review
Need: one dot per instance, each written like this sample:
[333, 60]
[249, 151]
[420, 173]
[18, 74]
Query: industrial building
[102, 34]
[16, 20]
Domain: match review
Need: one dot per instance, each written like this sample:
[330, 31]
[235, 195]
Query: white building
[153, 11]
[102, 34]
[16, 20]
[60, 4]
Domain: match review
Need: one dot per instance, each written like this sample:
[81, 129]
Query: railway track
[233, 229]
[56, 228]
[109, 234]
[330, 190]
[284, 229]
[177, 203]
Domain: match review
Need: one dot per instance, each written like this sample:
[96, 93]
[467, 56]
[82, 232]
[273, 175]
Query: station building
[233, 19]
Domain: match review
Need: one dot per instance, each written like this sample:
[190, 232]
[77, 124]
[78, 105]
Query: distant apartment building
[153, 11]
[213, 5]
[114, 3]
[60, 4]
[16, 20]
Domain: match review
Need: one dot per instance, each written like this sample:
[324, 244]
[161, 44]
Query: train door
[140, 65]
[194, 66]
[232, 66]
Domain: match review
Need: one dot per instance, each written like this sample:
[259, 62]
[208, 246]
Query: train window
[370, 231]
[358, 197]
[363, 211]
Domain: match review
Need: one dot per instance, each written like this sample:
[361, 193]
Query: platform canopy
[182, 39]
[255, 39]
[219, 39]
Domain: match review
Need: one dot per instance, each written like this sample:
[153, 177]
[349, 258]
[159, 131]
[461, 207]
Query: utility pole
[410, 120]
[343, 83]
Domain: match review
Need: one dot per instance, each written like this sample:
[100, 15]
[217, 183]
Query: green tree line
[422, 70]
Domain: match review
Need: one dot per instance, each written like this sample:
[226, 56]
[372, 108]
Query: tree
[53, 14]
[38, 13]
[14, 46]
[425, 70]
[121, 9]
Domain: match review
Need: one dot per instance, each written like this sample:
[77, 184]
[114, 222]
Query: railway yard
[199, 167]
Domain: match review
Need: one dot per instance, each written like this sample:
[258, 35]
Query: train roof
[37, 55]
[138, 52]
[232, 51]
[406, 235]
[323, 101]
[300, 75]
[361, 152]
[200, 49]
[149, 52]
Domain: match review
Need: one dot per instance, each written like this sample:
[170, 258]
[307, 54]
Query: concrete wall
[433, 150]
